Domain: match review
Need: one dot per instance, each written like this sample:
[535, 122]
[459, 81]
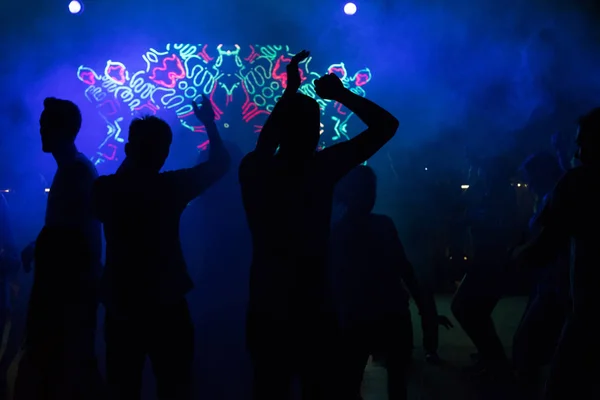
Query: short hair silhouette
[148, 130]
[61, 118]
[301, 130]
[149, 141]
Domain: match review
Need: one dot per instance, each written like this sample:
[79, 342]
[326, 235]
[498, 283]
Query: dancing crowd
[323, 296]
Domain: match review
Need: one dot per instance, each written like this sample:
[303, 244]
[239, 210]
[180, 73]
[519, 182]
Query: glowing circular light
[75, 7]
[350, 8]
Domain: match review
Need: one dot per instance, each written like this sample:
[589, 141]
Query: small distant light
[465, 258]
[47, 190]
[464, 187]
[518, 185]
[226, 125]
[350, 9]
[426, 169]
[75, 7]
[5, 190]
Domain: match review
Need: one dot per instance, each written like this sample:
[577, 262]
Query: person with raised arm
[287, 189]
[145, 280]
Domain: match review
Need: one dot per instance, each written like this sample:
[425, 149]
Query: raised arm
[381, 127]
[191, 182]
[268, 140]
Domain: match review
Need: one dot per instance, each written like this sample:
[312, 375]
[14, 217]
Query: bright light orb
[74, 7]
[350, 8]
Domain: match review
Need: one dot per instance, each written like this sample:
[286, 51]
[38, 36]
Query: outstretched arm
[268, 140]
[191, 182]
[423, 298]
[381, 127]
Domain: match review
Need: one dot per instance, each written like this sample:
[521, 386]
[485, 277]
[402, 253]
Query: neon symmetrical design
[243, 85]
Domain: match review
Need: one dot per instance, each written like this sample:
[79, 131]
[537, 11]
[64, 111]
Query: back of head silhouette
[358, 190]
[149, 143]
[59, 124]
[301, 126]
[541, 172]
[588, 138]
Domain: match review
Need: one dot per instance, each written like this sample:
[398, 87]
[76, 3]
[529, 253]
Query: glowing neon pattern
[242, 84]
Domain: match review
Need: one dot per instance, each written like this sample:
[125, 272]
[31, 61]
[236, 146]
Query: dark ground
[427, 382]
[447, 382]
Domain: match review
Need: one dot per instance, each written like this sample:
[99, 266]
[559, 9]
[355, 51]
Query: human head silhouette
[357, 191]
[59, 124]
[541, 172]
[149, 142]
[300, 130]
[588, 138]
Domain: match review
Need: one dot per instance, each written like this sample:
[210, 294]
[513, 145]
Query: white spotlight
[75, 7]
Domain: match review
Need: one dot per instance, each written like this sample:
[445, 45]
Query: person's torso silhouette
[367, 257]
[288, 210]
[144, 261]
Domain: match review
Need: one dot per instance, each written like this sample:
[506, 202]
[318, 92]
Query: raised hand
[298, 58]
[329, 87]
[293, 75]
[205, 112]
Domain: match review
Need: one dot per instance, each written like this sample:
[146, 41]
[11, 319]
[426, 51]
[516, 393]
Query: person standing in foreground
[145, 280]
[571, 216]
[59, 350]
[287, 189]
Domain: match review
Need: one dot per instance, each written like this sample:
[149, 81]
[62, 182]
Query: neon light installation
[242, 84]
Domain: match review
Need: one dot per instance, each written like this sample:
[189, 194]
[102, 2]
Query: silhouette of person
[59, 359]
[145, 279]
[492, 225]
[571, 217]
[217, 246]
[370, 272]
[288, 195]
[539, 330]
